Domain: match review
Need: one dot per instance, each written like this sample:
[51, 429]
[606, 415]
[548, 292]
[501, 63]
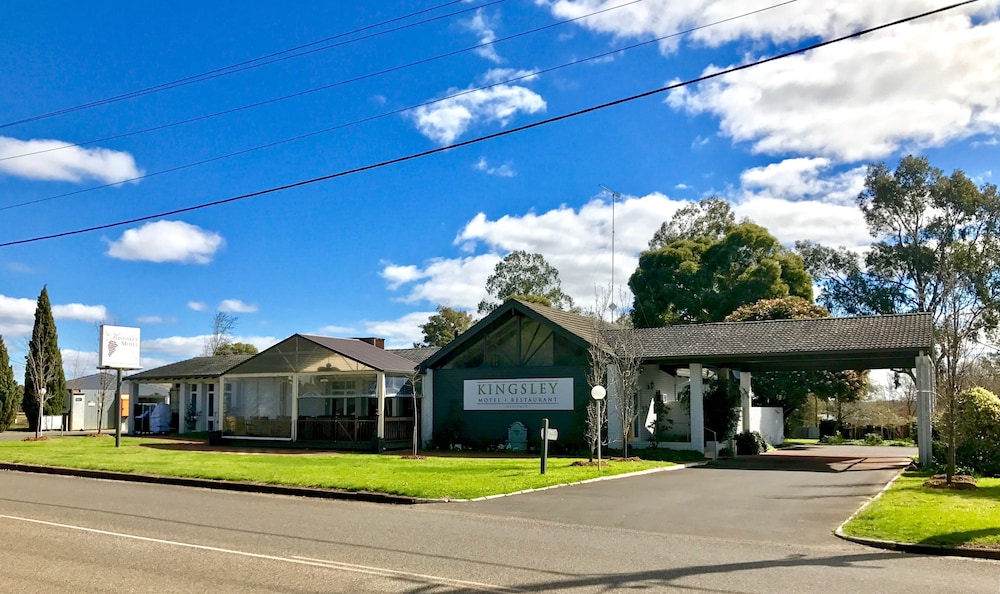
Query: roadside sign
[550, 434]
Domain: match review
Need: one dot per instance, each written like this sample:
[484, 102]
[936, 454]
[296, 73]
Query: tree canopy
[704, 279]
[790, 389]
[236, 348]
[444, 326]
[10, 395]
[520, 274]
[710, 217]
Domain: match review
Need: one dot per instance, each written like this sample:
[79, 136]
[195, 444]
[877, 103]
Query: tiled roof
[364, 353]
[576, 324]
[417, 354]
[191, 368]
[875, 339]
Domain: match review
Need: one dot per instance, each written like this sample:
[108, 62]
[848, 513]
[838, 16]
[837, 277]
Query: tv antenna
[614, 196]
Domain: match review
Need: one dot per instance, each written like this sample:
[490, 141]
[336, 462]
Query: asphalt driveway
[791, 496]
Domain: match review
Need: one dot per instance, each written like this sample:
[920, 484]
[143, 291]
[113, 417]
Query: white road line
[365, 569]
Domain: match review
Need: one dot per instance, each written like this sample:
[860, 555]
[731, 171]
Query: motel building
[520, 365]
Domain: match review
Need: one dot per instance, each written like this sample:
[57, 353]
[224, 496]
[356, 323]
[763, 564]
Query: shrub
[827, 427]
[750, 443]
[977, 429]
[836, 438]
[873, 439]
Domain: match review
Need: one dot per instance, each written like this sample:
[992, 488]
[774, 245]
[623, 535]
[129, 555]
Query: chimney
[379, 342]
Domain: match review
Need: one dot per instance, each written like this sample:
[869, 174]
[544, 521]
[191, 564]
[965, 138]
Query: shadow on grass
[958, 539]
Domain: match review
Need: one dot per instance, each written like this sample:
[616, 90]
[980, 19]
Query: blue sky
[374, 253]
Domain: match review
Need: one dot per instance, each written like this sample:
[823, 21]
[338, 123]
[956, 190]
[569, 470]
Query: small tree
[221, 337]
[236, 348]
[414, 379]
[43, 367]
[10, 395]
[597, 372]
[625, 367]
[106, 386]
[519, 274]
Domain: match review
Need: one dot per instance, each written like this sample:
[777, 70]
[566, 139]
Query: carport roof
[199, 367]
[867, 342]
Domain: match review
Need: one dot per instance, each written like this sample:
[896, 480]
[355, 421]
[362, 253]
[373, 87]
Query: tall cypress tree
[10, 398]
[44, 350]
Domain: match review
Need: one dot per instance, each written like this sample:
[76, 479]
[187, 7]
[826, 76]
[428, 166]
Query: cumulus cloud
[66, 163]
[167, 241]
[801, 198]
[505, 170]
[925, 84]
[236, 306]
[17, 314]
[501, 75]
[197, 305]
[788, 23]
[184, 347]
[402, 332]
[576, 241]
[446, 120]
[482, 26]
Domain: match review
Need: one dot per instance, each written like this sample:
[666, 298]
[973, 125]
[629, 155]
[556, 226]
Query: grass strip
[910, 513]
[435, 477]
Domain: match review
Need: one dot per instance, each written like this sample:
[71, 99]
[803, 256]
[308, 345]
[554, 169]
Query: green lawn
[908, 512]
[436, 477]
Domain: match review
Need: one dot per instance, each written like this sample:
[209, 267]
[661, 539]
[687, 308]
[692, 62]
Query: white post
[697, 408]
[925, 381]
[746, 394]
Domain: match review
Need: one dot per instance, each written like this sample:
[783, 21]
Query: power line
[566, 116]
[395, 111]
[259, 61]
[323, 87]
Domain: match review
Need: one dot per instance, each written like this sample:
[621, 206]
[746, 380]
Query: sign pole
[600, 427]
[118, 409]
[545, 444]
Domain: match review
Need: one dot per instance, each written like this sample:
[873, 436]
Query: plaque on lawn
[517, 437]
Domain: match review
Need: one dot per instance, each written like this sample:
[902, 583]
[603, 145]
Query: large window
[515, 342]
[258, 407]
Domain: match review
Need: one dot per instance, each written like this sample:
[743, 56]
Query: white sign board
[550, 434]
[119, 348]
[519, 394]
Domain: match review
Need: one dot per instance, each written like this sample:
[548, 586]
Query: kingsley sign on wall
[519, 394]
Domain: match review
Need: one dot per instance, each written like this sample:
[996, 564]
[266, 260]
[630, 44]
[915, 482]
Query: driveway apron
[797, 495]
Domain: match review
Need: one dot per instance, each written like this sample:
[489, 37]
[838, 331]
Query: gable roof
[866, 342]
[576, 327]
[364, 353]
[198, 367]
[416, 354]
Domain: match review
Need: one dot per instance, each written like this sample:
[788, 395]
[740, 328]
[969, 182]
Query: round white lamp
[598, 393]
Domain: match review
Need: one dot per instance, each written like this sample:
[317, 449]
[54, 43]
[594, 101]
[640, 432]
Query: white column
[697, 408]
[427, 407]
[746, 394]
[380, 393]
[925, 383]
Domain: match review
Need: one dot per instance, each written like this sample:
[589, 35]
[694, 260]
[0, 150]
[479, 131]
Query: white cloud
[197, 305]
[81, 312]
[446, 120]
[797, 199]
[155, 320]
[401, 332]
[505, 170]
[19, 268]
[682, 187]
[167, 241]
[336, 331]
[482, 26]
[236, 306]
[73, 163]
[576, 241]
[500, 75]
[183, 347]
[17, 315]
[924, 84]
[789, 23]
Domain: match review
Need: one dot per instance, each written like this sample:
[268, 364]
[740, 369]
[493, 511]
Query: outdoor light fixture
[598, 393]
